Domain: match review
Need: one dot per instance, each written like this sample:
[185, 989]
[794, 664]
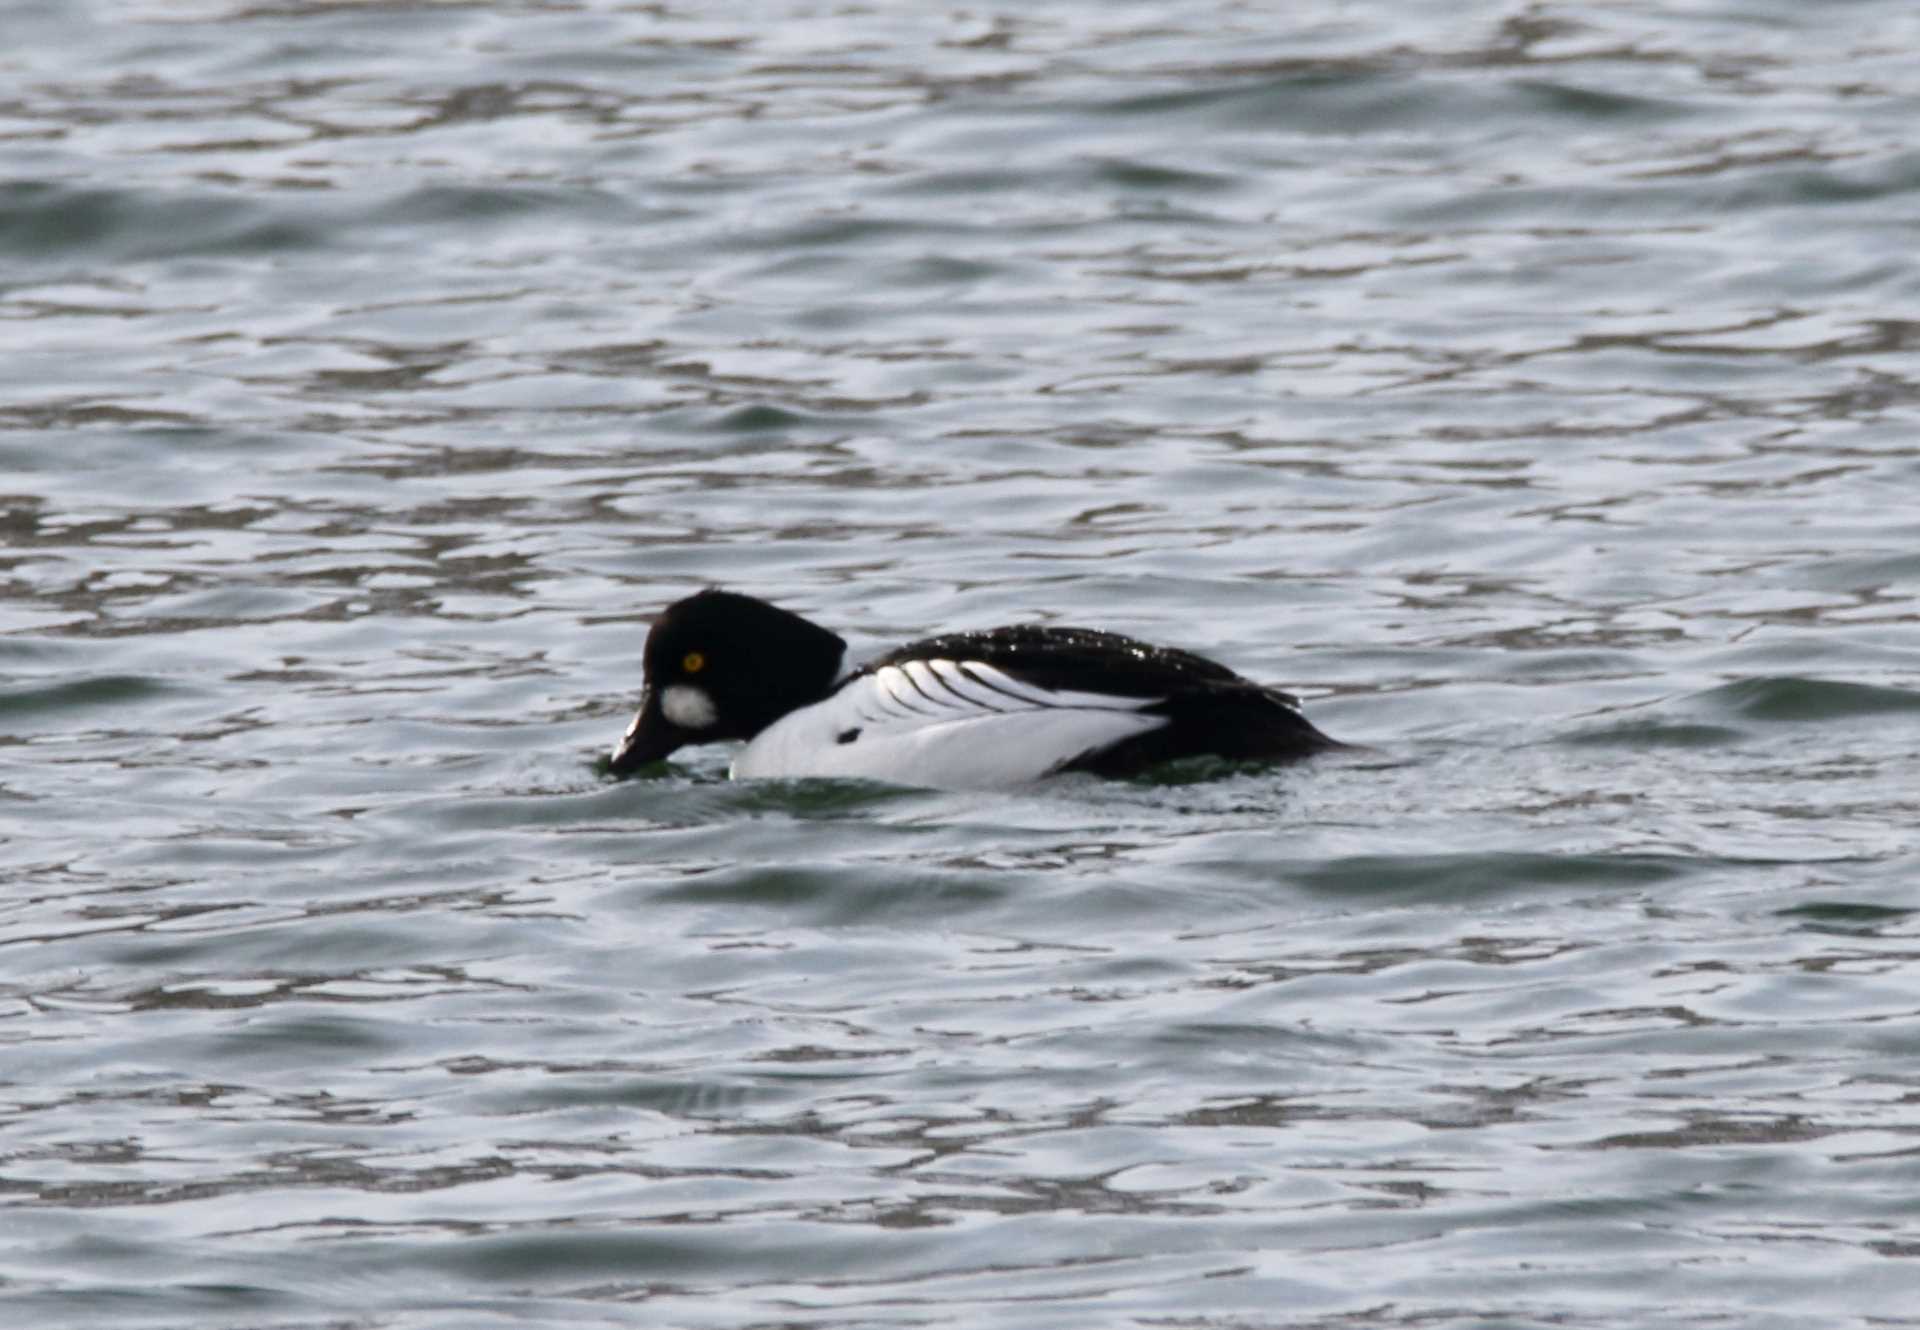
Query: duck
[980, 709]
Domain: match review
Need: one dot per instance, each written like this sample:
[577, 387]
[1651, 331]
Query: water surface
[1530, 387]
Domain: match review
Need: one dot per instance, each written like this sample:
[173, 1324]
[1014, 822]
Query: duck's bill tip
[649, 739]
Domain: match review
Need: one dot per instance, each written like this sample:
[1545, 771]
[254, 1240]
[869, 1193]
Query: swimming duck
[966, 710]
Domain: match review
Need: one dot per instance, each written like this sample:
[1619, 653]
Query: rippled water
[1529, 386]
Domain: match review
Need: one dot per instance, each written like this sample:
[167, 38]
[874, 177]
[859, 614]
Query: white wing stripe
[965, 687]
[988, 677]
[927, 684]
[969, 746]
[945, 722]
[934, 689]
[899, 690]
[1035, 696]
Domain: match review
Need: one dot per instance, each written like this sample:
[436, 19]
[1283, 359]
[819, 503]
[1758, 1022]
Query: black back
[1210, 710]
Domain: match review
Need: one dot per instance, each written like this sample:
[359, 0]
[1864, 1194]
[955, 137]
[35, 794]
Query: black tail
[1241, 724]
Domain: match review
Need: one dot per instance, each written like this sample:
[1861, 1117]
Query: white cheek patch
[688, 707]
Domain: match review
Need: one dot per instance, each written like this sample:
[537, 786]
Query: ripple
[1427, 877]
[1530, 385]
[46, 222]
[1794, 700]
[25, 702]
[1650, 733]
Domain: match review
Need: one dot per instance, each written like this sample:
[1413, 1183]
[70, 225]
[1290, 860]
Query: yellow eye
[693, 662]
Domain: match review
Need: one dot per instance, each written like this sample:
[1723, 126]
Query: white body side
[943, 724]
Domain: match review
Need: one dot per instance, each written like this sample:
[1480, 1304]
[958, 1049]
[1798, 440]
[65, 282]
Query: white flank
[688, 707]
[945, 725]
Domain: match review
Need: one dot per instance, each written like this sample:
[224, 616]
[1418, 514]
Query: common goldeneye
[960, 711]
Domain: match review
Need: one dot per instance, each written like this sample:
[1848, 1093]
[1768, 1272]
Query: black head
[720, 665]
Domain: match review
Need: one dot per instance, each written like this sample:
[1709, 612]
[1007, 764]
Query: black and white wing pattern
[946, 724]
[1009, 705]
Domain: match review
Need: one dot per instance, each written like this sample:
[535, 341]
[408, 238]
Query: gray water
[1531, 387]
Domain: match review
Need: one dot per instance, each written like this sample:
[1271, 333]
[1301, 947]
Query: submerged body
[962, 711]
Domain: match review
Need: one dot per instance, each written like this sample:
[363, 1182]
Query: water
[1528, 386]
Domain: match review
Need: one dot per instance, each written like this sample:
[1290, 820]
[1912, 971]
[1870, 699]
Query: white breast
[943, 724]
